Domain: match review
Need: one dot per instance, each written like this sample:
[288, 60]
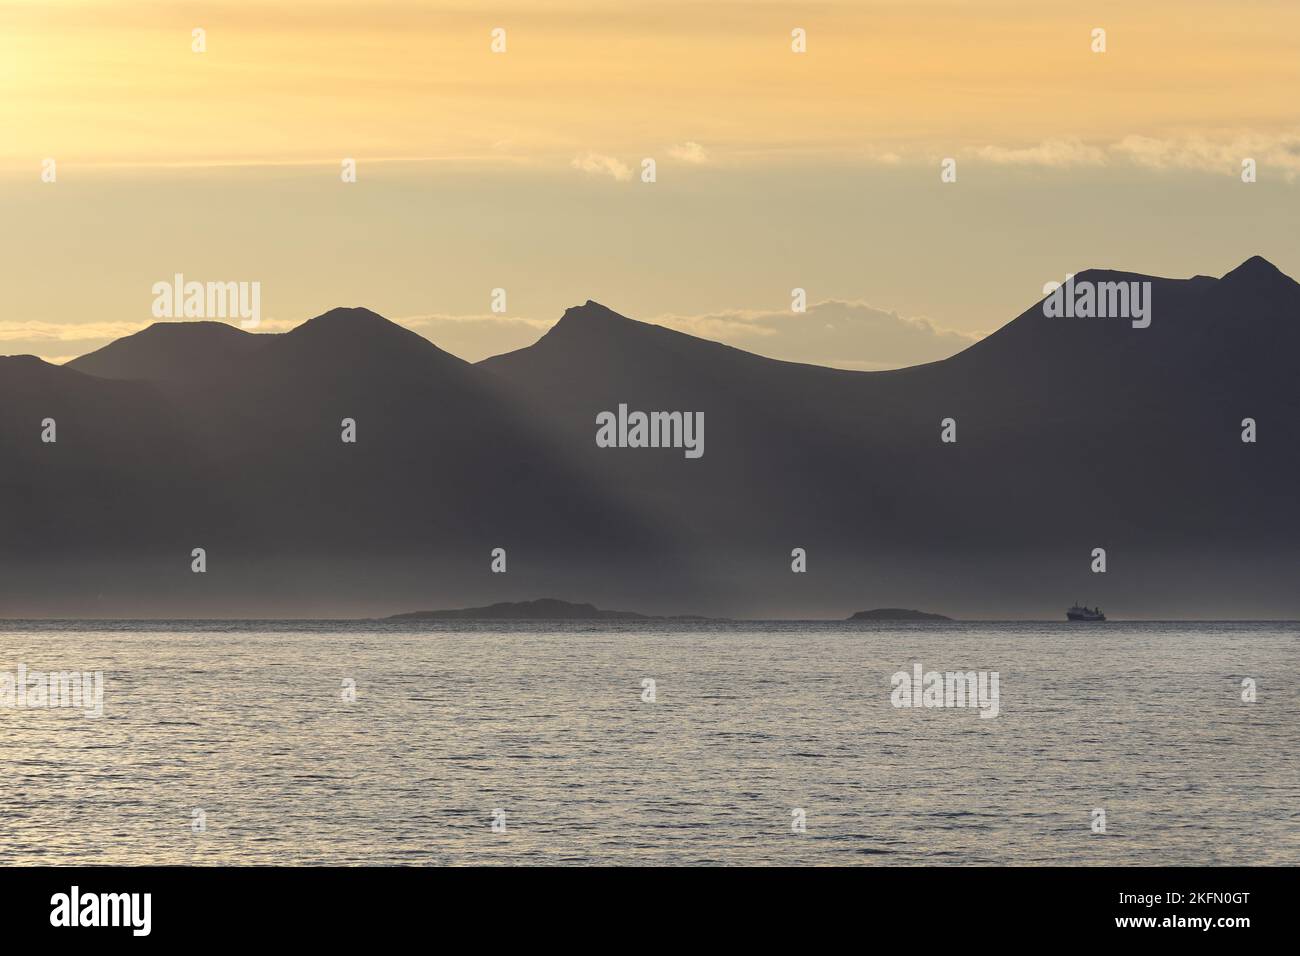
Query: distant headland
[543, 609]
[897, 614]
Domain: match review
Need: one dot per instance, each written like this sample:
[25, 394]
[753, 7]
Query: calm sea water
[247, 722]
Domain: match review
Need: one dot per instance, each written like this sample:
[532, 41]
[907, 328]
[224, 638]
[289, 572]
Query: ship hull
[1084, 617]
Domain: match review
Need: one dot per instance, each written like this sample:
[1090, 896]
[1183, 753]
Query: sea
[649, 742]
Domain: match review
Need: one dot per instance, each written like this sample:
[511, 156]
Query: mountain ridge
[1070, 434]
[593, 317]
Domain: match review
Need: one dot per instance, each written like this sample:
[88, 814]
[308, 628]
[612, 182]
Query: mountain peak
[1256, 269]
[24, 360]
[591, 311]
[168, 350]
[349, 323]
[346, 315]
[190, 328]
[345, 336]
[590, 322]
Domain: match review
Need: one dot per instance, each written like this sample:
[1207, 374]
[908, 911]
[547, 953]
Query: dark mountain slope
[247, 429]
[122, 475]
[441, 456]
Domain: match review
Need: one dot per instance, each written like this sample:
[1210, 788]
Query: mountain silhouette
[1072, 434]
[193, 435]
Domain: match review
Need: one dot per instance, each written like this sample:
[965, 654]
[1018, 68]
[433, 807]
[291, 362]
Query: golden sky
[115, 81]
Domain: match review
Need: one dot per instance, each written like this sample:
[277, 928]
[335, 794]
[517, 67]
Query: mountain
[193, 435]
[1072, 434]
[543, 609]
[896, 614]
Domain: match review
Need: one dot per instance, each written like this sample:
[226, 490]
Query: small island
[543, 609]
[897, 614]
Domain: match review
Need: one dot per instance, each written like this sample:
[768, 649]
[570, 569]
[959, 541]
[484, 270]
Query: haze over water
[247, 722]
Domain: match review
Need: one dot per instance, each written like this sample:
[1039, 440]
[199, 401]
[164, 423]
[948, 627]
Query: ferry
[1077, 613]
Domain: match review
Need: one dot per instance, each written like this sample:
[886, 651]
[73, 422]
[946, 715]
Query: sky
[521, 170]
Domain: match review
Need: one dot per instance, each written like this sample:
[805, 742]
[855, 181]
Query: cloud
[59, 342]
[1053, 152]
[886, 156]
[689, 152]
[1277, 153]
[842, 334]
[601, 165]
[33, 331]
[1280, 153]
